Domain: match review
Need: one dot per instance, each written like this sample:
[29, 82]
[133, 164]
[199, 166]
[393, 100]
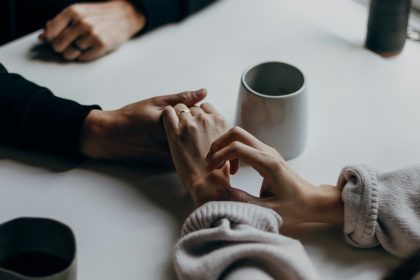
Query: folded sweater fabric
[231, 240]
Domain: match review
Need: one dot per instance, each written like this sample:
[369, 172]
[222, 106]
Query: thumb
[189, 98]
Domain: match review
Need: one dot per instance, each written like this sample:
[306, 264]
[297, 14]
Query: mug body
[272, 105]
[37, 248]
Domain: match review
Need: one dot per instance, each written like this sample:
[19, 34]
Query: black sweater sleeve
[160, 12]
[32, 117]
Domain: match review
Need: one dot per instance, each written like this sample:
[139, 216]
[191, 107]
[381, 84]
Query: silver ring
[183, 111]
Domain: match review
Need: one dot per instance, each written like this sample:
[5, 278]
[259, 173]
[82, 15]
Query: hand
[134, 132]
[190, 135]
[283, 190]
[86, 32]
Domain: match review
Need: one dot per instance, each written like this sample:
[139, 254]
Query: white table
[363, 109]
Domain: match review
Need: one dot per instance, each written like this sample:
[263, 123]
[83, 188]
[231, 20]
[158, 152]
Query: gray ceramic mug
[272, 105]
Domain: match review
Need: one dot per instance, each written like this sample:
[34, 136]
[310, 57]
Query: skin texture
[190, 135]
[205, 153]
[282, 189]
[88, 31]
[133, 133]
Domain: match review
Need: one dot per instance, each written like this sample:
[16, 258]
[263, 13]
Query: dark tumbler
[387, 26]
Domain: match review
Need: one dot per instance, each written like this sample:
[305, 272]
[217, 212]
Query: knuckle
[274, 164]
[236, 130]
[191, 126]
[165, 112]
[72, 10]
[57, 46]
[220, 119]
[235, 146]
[203, 118]
[87, 27]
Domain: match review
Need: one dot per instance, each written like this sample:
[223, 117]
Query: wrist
[135, 17]
[210, 187]
[327, 205]
[93, 137]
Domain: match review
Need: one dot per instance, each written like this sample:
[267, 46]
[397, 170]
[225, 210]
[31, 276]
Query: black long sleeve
[160, 12]
[32, 117]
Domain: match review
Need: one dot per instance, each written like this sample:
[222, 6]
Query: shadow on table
[44, 52]
[157, 184]
[37, 159]
[328, 242]
[160, 185]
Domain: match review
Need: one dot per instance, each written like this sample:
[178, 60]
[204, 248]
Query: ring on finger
[183, 111]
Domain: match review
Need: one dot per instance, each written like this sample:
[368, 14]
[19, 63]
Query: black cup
[387, 26]
[34, 248]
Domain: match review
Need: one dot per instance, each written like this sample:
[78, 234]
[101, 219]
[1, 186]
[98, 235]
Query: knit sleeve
[32, 117]
[227, 240]
[382, 208]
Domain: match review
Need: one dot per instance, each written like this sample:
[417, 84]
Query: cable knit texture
[232, 240]
[382, 208]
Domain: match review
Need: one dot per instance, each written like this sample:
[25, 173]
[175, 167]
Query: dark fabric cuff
[158, 12]
[54, 125]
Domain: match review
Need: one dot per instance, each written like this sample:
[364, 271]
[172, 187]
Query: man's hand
[86, 32]
[134, 132]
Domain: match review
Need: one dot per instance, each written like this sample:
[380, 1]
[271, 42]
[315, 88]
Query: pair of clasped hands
[205, 153]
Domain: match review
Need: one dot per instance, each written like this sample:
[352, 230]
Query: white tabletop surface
[363, 109]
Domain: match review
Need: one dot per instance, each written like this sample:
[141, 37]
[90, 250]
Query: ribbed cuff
[359, 186]
[237, 212]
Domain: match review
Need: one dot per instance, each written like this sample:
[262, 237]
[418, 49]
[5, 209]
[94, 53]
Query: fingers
[195, 111]
[85, 42]
[189, 98]
[182, 111]
[57, 25]
[239, 151]
[234, 134]
[93, 53]
[65, 38]
[71, 53]
[209, 109]
[170, 119]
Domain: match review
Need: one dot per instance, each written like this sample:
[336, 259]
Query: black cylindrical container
[387, 26]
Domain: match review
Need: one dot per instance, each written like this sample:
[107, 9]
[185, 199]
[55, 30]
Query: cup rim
[244, 84]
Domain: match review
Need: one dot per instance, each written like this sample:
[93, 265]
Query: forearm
[32, 117]
[238, 237]
[326, 206]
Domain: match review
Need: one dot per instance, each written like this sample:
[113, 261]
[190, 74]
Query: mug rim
[244, 84]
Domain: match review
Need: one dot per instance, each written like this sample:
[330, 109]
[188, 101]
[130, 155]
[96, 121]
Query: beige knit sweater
[231, 240]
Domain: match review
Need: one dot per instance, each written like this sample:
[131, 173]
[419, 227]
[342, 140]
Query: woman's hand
[190, 132]
[134, 132]
[88, 31]
[283, 190]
